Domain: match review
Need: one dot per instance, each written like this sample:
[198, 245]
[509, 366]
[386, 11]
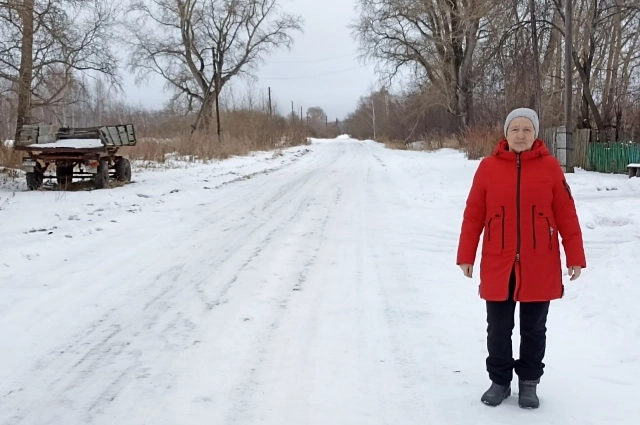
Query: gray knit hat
[525, 113]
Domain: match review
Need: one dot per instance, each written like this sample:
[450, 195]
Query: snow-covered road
[317, 287]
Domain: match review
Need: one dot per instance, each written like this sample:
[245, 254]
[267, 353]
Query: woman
[521, 200]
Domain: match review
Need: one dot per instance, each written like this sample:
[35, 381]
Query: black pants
[533, 339]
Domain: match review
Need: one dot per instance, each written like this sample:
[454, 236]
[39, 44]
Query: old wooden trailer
[80, 153]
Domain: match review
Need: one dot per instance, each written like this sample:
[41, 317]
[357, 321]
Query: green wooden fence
[612, 157]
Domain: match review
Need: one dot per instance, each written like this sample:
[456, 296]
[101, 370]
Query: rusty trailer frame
[100, 160]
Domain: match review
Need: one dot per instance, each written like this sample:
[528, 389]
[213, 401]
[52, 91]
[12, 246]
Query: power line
[316, 60]
[316, 75]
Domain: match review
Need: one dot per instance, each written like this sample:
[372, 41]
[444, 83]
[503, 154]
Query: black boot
[496, 394]
[527, 397]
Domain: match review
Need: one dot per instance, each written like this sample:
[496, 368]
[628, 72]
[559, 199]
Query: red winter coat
[521, 202]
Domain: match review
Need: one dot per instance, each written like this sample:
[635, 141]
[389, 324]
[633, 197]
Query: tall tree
[44, 44]
[435, 39]
[198, 46]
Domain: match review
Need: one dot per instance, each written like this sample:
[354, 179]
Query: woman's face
[521, 134]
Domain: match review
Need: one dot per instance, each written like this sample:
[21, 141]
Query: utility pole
[293, 113]
[270, 108]
[568, 73]
[373, 109]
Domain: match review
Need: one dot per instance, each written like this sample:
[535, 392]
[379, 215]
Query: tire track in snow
[229, 253]
[250, 384]
[172, 290]
[260, 309]
[283, 221]
[268, 270]
[344, 221]
[381, 193]
[100, 351]
[97, 349]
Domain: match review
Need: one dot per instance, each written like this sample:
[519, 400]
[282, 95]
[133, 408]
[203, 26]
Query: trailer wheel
[123, 170]
[35, 178]
[64, 176]
[102, 177]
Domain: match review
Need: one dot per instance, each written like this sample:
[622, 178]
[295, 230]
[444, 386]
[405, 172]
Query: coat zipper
[518, 207]
[489, 229]
[550, 233]
[516, 296]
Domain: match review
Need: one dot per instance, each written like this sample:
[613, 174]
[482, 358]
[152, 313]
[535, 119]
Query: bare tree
[516, 56]
[436, 39]
[198, 46]
[316, 115]
[535, 47]
[45, 43]
[606, 29]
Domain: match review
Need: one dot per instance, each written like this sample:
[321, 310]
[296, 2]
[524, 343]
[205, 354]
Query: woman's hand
[574, 272]
[467, 269]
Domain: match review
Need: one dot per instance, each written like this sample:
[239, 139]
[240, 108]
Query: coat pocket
[494, 231]
[544, 228]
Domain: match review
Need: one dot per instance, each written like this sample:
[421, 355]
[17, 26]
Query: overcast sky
[321, 69]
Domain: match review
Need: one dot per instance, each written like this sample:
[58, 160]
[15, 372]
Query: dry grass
[9, 157]
[8, 181]
[429, 142]
[243, 132]
[441, 142]
[9, 173]
[394, 144]
[480, 141]
[436, 140]
[476, 142]
[452, 142]
[204, 147]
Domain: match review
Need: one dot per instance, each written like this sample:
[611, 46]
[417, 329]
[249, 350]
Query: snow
[314, 287]
[71, 144]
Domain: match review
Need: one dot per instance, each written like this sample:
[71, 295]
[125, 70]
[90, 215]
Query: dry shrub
[393, 144]
[480, 141]
[477, 142]
[256, 130]
[432, 141]
[9, 157]
[149, 150]
[8, 177]
[244, 131]
[452, 142]
[441, 139]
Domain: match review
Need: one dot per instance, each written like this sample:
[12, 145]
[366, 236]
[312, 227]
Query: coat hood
[538, 150]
